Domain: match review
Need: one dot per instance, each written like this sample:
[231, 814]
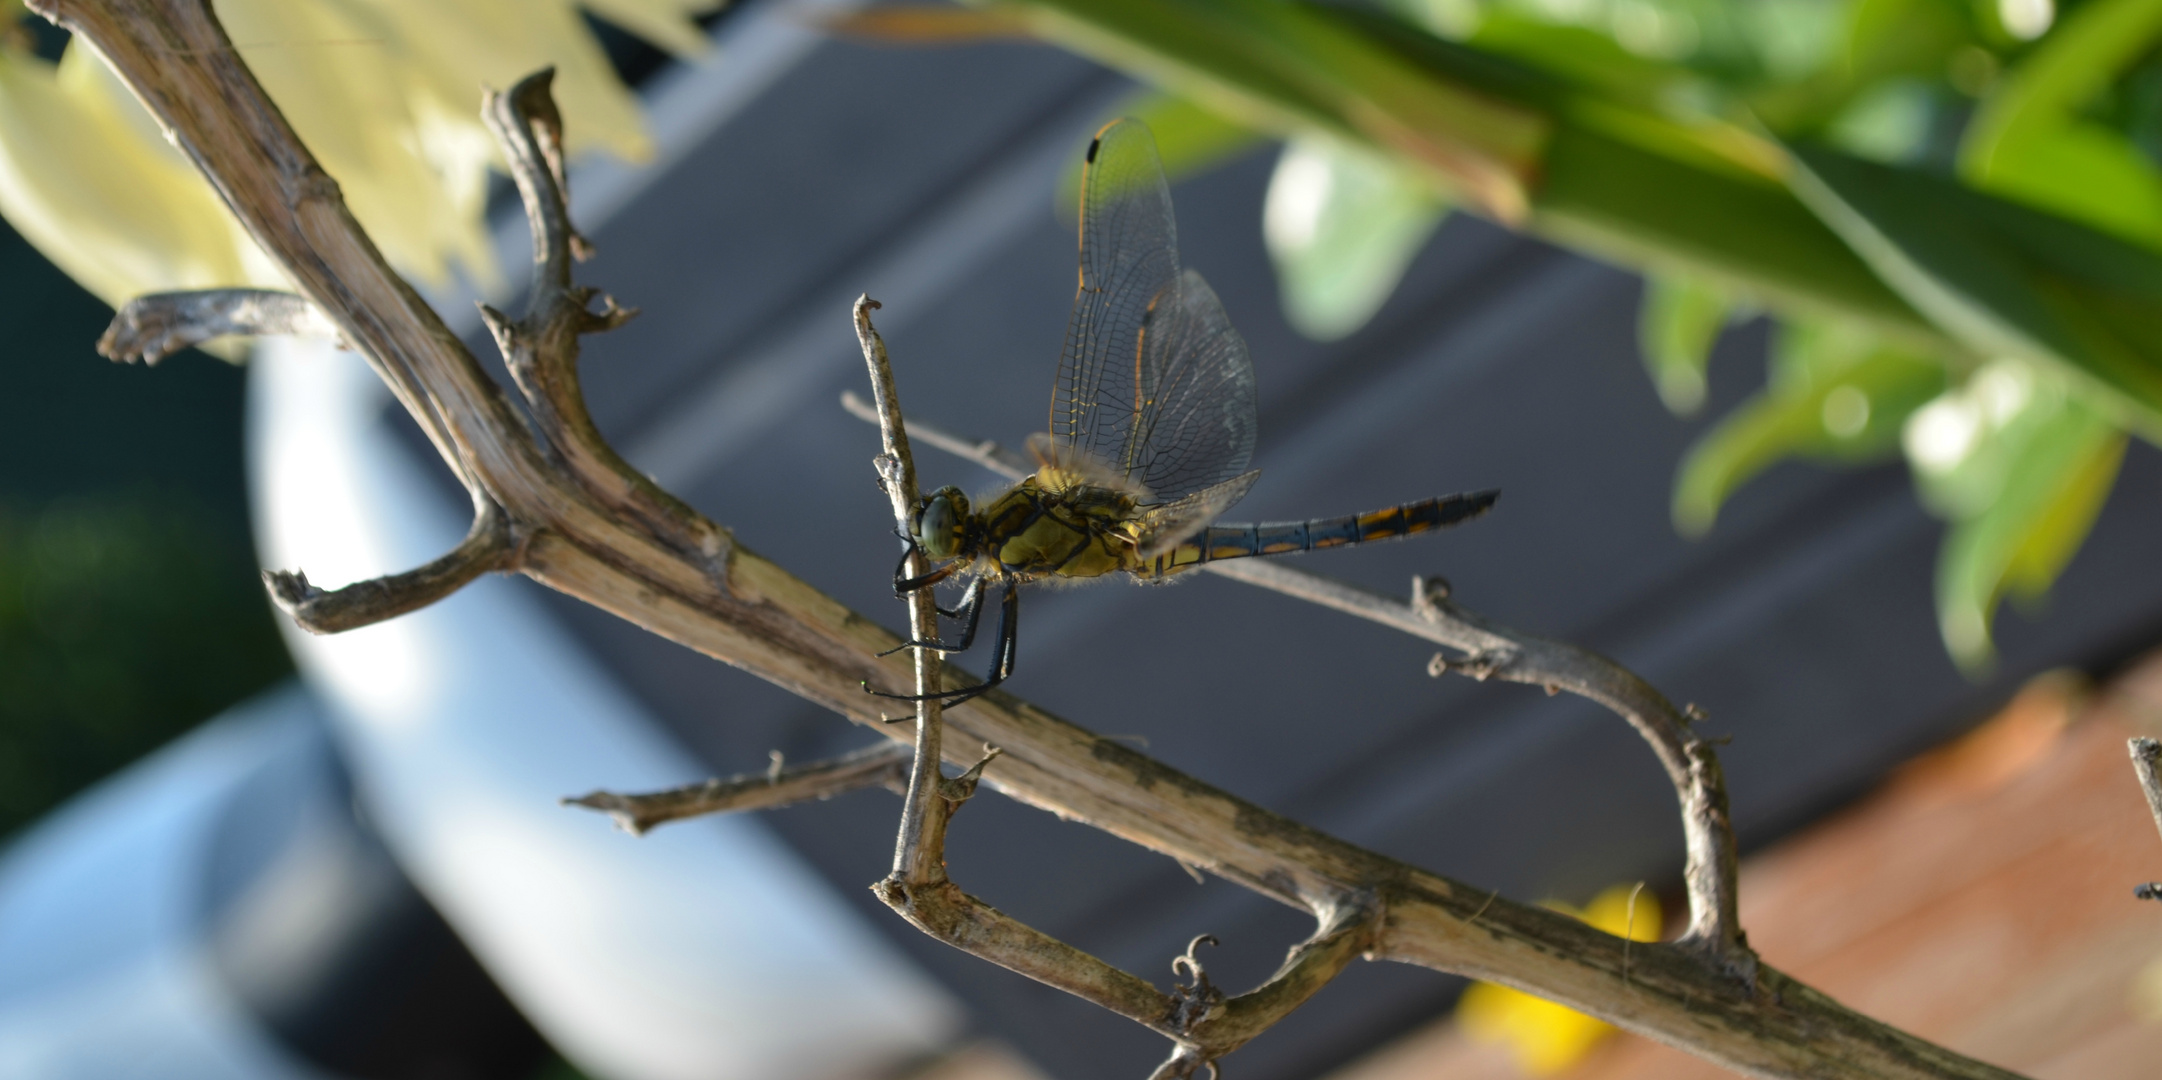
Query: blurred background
[1822, 331]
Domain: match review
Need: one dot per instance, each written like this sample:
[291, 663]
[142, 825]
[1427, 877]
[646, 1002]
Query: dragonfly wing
[1196, 424]
[1167, 526]
[1153, 380]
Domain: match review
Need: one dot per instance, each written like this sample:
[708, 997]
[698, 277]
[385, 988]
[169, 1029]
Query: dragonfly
[1151, 429]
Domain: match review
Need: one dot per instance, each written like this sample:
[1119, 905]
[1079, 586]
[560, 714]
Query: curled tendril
[1189, 965]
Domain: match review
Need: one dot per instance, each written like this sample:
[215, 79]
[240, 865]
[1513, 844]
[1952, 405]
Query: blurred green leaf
[1287, 68]
[1342, 223]
[1190, 138]
[2021, 467]
[124, 621]
[1835, 394]
[1889, 124]
[1677, 326]
[1588, 60]
[2005, 280]
[2030, 140]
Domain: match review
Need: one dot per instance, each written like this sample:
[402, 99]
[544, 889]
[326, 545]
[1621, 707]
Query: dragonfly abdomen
[1283, 538]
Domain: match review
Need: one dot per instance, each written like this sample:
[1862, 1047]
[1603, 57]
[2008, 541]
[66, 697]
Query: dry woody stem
[150, 328]
[2146, 758]
[577, 519]
[881, 765]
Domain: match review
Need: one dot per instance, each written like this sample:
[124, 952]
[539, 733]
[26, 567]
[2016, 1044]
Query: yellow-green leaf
[1677, 326]
[2003, 279]
[2030, 141]
[1836, 395]
[2057, 471]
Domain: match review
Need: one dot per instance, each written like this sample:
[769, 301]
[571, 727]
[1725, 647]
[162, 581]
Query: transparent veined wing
[1154, 383]
[1167, 526]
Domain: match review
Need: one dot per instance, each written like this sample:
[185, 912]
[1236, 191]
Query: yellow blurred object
[1546, 1038]
[386, 93]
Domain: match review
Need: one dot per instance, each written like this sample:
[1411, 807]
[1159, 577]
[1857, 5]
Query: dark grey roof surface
[1802, 624]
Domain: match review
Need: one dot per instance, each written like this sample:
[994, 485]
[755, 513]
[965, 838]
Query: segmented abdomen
[1282, 538]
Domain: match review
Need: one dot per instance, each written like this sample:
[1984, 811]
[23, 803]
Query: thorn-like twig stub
[1425, 589]
[963, 787]
[1479, 665]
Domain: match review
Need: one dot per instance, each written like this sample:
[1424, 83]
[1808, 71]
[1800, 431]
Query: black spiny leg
[902, 586]
[1009, 621]
[970, 613]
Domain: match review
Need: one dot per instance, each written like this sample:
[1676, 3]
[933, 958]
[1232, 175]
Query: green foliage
[1676, 329]
[2020, 464]
[1915, 189]
[124, 621]
[1834, 395]
[1341, 223]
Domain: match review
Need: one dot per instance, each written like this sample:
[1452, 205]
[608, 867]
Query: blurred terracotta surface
[1982, 898]
[977, 1061]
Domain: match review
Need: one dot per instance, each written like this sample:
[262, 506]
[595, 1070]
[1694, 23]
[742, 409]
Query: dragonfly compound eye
[938, 527]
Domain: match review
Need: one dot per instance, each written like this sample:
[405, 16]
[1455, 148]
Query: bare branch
[1713, 866]
[1491, 650]
[150, 328]
[742, 609]
[489, 545]
[919, 849]
[2146, 755]
[541, 350]
[879, 765]
[1007, 463]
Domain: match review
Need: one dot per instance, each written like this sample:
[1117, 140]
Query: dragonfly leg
[902, 586]
[1009, 620]
[970, 612]
[1009, 626]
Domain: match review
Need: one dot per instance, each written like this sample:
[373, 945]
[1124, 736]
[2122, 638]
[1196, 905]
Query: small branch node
[1195, 1000]
[963, 787]
[609, 317]
[1429, 589]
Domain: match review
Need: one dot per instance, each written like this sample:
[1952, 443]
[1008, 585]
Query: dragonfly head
[940, 523]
